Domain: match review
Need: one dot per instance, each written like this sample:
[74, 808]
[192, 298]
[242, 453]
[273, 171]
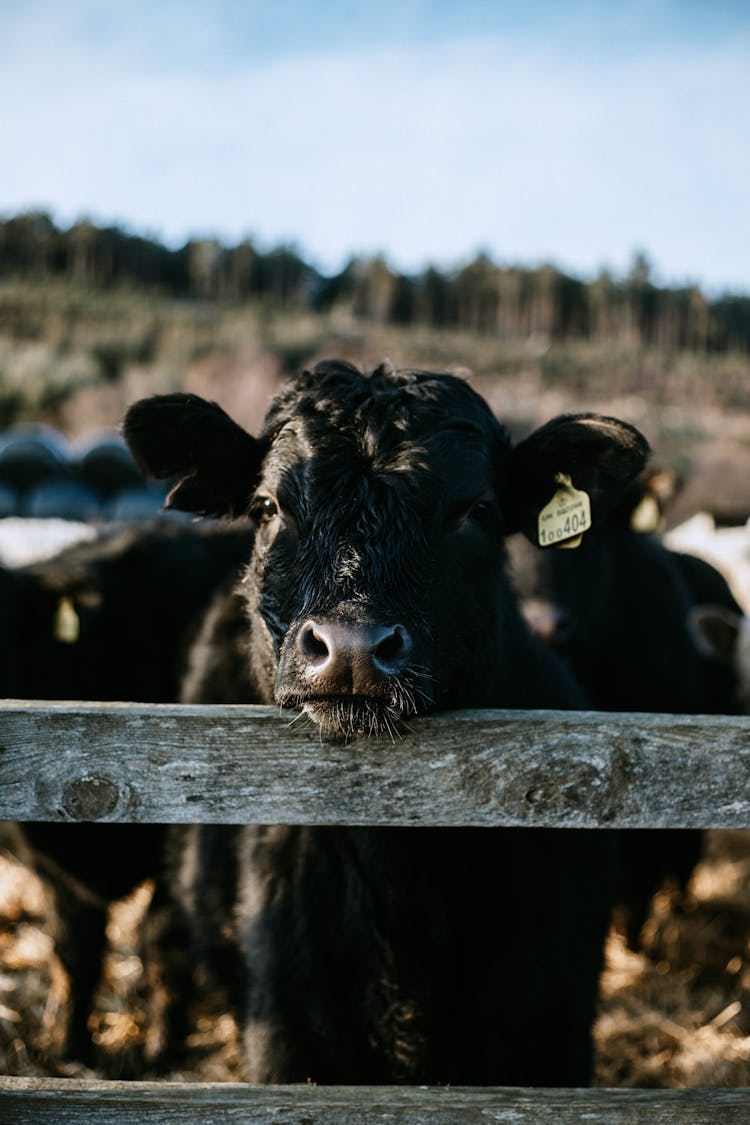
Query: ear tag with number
[564, 519]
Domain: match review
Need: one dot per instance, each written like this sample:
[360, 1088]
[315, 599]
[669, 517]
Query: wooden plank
[39, 1101]
[187, 764]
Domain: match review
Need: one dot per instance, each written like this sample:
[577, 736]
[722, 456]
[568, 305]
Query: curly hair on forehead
[386, 400]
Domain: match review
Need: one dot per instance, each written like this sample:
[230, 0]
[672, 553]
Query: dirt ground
[677, 1013]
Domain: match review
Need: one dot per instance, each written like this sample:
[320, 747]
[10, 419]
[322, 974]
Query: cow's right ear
[571, 457]
[214, 462]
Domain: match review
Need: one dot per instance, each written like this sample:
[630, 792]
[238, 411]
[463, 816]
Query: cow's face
[377, 586]
[378, 560]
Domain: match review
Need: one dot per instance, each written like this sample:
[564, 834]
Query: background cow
[618, 611]
[107, 619]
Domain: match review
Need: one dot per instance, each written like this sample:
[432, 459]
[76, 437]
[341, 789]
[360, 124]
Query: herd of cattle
[381, 559]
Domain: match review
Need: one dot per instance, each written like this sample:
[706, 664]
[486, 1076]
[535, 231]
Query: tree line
[481, 296]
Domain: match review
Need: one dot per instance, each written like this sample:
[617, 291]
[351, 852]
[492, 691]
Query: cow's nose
[341, 658]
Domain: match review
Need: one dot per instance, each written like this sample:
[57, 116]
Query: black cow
[618, 610]
[376, 591]
[108, 619]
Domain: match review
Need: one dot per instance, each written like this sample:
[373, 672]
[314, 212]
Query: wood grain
[220, 764]
[41, 1101]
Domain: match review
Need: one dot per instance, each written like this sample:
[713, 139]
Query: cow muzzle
[344, 658]
[353, 677]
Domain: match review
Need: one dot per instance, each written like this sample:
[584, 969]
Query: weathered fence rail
[42, 1101]
[211, 764]
[181, 764]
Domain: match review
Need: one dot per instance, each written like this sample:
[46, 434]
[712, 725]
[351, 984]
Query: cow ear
[586, 453]
[214, 462]
[715, 631]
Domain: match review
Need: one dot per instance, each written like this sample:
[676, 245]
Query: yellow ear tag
[564, 519]
[646, 516]
[67, 626]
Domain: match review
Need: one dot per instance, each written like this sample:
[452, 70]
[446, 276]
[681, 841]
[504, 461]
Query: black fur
[136, 594]
[625, 601]
[388, 955]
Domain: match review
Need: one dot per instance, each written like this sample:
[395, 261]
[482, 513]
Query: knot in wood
[89, 798]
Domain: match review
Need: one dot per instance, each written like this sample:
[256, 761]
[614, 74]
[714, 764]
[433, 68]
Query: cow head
[377, 587]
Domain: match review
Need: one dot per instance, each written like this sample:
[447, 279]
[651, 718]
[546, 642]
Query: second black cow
[376, 591]
[104, 620]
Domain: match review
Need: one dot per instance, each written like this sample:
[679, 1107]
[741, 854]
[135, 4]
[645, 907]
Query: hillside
[75, 356]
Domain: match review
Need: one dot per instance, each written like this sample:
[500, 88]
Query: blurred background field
[78, 342]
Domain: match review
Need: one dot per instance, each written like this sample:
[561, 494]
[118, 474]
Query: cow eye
[481, 513]
[263, 509]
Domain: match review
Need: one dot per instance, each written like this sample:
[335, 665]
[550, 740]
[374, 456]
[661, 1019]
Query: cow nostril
[391, 651]
[313, 645]
[342, 657]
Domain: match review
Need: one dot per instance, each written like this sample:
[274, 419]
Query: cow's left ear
[214, 462]
[585, 454]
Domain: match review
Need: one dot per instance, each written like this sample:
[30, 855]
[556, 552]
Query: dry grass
[677, 1013]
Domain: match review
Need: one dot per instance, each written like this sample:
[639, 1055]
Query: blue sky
[575, 132]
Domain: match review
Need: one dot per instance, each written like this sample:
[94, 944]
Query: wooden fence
[136, 763]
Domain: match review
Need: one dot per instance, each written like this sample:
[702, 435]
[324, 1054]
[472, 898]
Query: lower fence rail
[61, 1101]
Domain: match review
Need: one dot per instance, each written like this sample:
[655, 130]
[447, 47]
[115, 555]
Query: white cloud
[424, 152]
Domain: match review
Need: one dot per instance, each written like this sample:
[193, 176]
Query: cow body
[359, 955]
[622, 606]
[133, 593]
[627, 599]
[132, 597]
[377, 590]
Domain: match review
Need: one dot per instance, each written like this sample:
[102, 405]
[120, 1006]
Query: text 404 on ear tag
[563, 521]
